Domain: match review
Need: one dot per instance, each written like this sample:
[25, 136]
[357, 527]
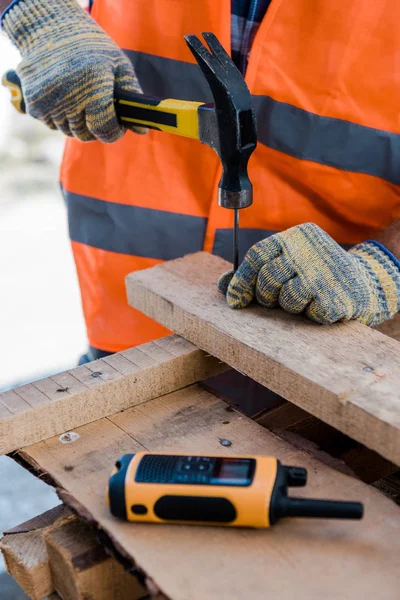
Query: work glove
[303, 270]
[70, 68]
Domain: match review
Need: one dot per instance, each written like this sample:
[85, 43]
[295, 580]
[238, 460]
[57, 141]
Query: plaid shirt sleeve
[246, 16]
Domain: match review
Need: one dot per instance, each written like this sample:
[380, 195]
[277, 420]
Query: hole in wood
[69, 438]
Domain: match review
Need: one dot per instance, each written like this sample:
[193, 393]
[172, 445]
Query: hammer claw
[225, 80]
[207, 61]
[214, 57]
[219, 52]
[196, 46]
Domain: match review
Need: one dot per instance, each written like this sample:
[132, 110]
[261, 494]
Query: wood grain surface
[305, 559]
[346, 374]
[54, 405]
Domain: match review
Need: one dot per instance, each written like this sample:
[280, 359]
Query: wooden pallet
[294, 557]
[76, 430]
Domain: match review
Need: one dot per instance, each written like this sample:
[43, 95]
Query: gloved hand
[70, 68]
[304, 270]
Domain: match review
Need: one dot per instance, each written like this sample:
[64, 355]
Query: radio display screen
[233, 471]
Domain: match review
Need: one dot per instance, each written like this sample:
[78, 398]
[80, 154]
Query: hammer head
[229, 125]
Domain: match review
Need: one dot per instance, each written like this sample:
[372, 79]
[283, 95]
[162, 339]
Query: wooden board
[39, 410]
[326, 443]
[305, 559]
[81, 568]
[348, 375]
[25, 554]
[56, 551]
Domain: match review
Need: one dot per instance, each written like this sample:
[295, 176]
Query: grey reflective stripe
[334, 142]
[149, 233]
[167, 78]
[291, 130]
[132, 230]
[223, 241]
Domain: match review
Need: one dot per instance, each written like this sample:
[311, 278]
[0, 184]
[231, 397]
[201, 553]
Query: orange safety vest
[326, 92]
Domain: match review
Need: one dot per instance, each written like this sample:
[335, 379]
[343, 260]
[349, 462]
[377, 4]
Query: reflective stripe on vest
[148, 233]
[284, 127]
[132, 229]
[329, 145]
[152, 233]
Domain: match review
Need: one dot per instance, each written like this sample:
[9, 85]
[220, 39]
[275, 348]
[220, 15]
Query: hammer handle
[172, 116]
[11, 80]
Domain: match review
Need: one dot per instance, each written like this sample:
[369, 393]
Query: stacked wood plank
[51, 406]
[57, 555]
[348, 375]
[25, 554]
[307, 558]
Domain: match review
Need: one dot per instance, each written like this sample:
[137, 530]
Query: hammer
[228, 125]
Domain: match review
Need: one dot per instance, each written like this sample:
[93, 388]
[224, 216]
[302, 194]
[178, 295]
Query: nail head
[226, 443]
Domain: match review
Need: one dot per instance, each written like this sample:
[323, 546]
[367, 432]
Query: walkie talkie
[235, 491]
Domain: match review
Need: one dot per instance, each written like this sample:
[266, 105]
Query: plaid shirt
[246, 16]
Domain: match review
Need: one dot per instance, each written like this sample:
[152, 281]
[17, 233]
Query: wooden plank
[66, 401]
[25, 554]
[55, 552]
[345, 374]
[121, 364]
[32, 395]
[390, 486]
[306, 559]
[282, 417]
[13, 402]
[325, 442]
[81, 569]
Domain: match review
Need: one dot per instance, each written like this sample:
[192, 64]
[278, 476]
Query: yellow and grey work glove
[70, 68]
[303, 270]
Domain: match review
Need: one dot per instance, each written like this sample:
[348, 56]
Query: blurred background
[41, 324]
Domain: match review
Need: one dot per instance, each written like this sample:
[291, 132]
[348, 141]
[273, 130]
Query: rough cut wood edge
[25, 554]
[346, 374]
[56, 552]
[51, 406]
[294, 558]
[81, 568]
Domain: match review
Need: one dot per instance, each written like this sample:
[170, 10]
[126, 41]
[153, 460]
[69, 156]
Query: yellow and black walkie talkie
[237, 491]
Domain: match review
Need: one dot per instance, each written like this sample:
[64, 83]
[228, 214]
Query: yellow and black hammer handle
[172, 116]
[11, 80]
